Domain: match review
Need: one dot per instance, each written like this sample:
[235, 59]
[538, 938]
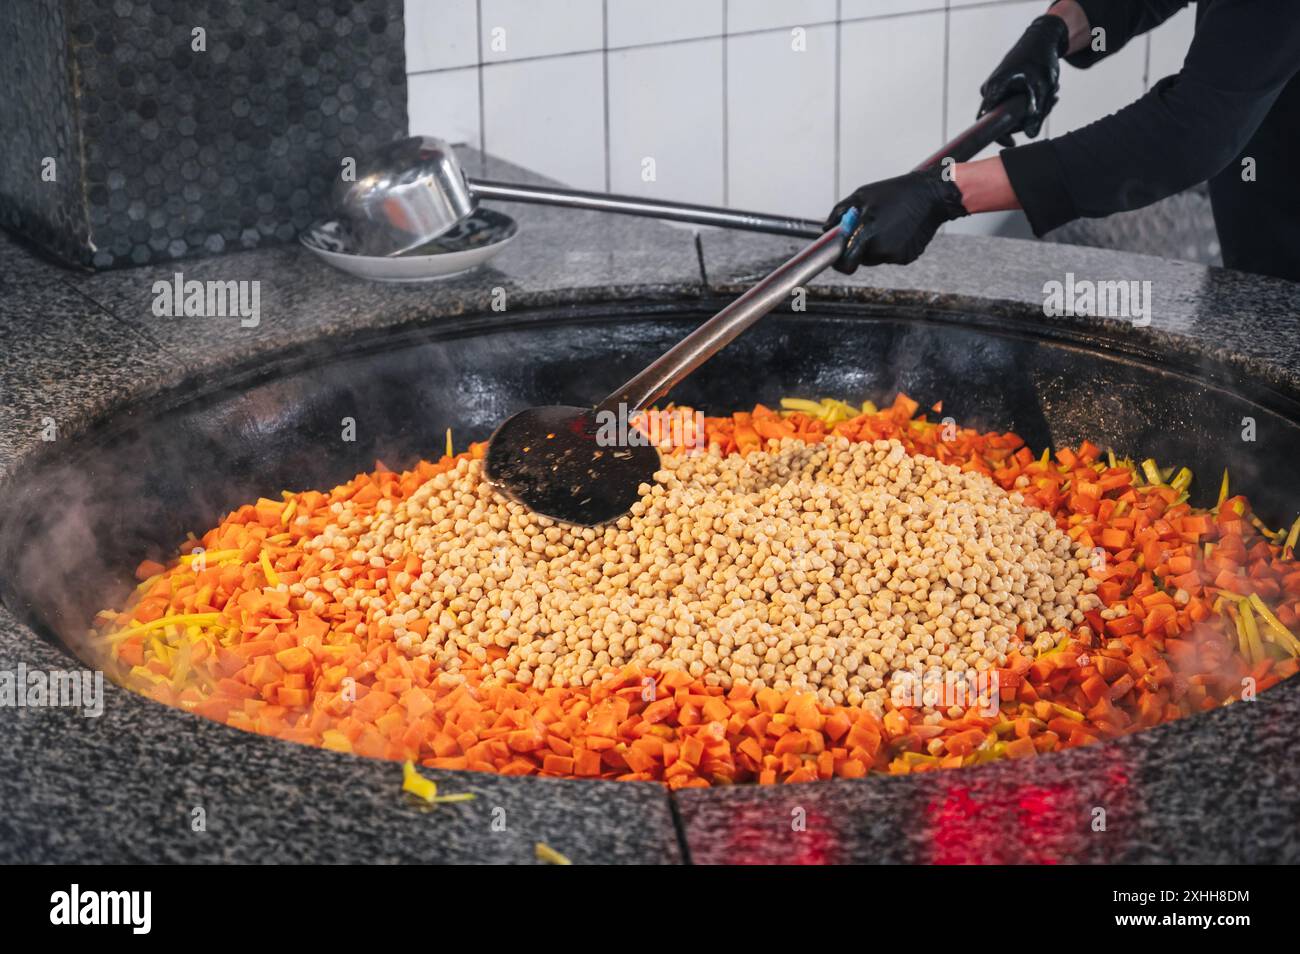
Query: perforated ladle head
[559, 462]
[586, 465]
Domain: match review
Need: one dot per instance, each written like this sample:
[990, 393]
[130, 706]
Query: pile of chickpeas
[822, 567]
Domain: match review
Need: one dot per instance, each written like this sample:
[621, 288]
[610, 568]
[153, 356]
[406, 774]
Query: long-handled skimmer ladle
[582, 465]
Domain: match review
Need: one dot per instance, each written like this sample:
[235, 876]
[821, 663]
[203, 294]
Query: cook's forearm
[1076, 19]
[985, 186]
[1116, 22]
[1186, 129]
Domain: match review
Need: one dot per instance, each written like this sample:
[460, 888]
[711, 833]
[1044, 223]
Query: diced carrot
[267, 660]
[1021, 748]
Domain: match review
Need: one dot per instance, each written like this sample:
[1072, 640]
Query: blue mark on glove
[848, 221]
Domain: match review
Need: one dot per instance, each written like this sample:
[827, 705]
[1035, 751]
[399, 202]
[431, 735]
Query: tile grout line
[943, 81]
[604, 71]
[945, 72]
[482, 111]
[836, 101]
[695, 39]
[726, 126]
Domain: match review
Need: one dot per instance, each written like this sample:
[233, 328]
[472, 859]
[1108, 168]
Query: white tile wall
[441, 34]
[517, 29]
[856, 9]
[1101, 89]
[657, 114]
[747, 15]
[978, 38]
[1169, 43]
[641, 22]
[445, 104]
[781, 122]
[549, 115]
[887, 127]
[585, 90]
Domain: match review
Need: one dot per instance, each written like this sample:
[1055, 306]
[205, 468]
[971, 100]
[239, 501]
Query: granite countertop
[128, 786]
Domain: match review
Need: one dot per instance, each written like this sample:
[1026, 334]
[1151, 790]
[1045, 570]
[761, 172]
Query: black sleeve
[1122, 20]
[1184, 131]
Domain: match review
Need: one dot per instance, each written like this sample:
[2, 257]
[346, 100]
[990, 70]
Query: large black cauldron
[77, 523]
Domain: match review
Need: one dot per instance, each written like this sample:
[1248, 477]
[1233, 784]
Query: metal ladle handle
[650, 208]
[724, 327]
[995, 124]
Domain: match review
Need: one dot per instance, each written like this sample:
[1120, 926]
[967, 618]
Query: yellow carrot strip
[181, 666]
[144, 587]
[427, 789]
[210, 555]
[337, 741]
[1234, 625]
[148, 675]
[811, 408]
[449, 444]
[1247, 622]
[417, 784]
[201, 619]
[1291, 539]
[1067, 712]
[1263, 528]
[1288, 638]
[160, 649]
[267, 569]
[919, 758]
[549, 855]
[1223, 489]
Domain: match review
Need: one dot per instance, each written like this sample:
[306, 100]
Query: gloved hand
[897, 218]
[1032, 67]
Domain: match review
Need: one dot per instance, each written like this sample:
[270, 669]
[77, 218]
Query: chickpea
[825, 567]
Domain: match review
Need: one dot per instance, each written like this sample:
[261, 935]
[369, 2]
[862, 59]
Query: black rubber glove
[1032, 67]
[897, 218]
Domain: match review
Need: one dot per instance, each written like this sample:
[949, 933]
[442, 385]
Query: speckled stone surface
[1249, 324]
[1222, 787]
[559, 254]
[38, 398]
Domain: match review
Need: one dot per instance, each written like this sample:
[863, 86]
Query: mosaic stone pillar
[135, 131]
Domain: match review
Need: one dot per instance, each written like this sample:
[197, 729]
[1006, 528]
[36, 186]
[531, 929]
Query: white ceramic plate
[471, 243]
